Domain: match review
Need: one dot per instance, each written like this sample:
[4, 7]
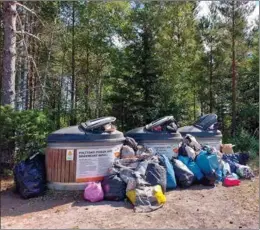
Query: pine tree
[235, 13]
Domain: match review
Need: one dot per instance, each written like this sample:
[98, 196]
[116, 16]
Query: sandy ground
[197, 207]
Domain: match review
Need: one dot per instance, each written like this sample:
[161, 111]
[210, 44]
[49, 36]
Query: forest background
[63, 63]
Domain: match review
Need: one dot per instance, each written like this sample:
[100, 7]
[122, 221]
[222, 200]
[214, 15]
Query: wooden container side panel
[58, 165]
[73, 174]
[58, 169]
[67, 171]
[46, 165]
[72, 169]
[49, 164]
[54, 165]
[62, 170]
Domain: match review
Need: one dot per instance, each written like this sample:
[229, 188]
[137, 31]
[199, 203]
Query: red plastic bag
[157, 128]
[93, 192]
[231, 181]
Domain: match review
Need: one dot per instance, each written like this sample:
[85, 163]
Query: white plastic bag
[127, 152]
[190, 151]
[226, 168]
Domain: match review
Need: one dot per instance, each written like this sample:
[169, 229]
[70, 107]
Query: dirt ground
[197, 207]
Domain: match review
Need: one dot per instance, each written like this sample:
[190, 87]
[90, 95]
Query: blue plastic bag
[192, 166]
[219, 173]
[207, 162]
[171, 180]
[184, 160]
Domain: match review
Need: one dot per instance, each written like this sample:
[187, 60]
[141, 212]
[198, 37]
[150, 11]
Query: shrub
[23, 131]
[245, 142]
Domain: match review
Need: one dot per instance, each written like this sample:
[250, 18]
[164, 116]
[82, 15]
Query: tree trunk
[73, 88]
[100, 97]
[194, 103]
[210, 82]
[86, 90]
[60, 92]
[1, 46]
[233, 126]
[9, 58]
[30, 68]
[26, 60]
[87, 77]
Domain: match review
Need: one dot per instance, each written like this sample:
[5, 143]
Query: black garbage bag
[182, 150]
[240, 158]
[243, 158]
[209, 179]
[184, 176]
[114, 187]
[156, 175]
[30, 176]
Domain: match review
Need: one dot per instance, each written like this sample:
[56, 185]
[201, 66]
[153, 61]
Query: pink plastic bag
[93, 192]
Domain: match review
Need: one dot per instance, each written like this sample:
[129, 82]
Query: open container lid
[205, 126]
[149, 132]
[90, 131]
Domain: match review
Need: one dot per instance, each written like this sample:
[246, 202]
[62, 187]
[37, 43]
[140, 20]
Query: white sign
[169, 150]
[69, 154]
[93, 163]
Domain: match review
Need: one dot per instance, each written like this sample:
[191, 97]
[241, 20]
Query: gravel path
[197, 207]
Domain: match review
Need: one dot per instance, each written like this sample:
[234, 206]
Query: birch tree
[9, 57]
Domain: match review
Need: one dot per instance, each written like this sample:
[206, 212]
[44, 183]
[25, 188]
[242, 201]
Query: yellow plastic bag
[131, 195]
[158, 193]
[155, 191]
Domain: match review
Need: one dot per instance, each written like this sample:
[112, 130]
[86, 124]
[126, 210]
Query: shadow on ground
[116, 204]
[13, 205]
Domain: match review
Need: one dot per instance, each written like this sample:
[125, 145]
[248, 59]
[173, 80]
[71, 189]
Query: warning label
[169, 150]
[94, 163]
[69, 154]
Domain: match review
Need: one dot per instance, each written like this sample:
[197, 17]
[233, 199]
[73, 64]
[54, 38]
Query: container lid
[150, 131]
[205, 126]
[90, 131]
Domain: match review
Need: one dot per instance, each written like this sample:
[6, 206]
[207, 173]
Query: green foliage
[26, 130]
[245, 142]
[135, 61]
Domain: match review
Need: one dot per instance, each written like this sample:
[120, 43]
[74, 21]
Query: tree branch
[25, 32]
[28, 56]
[31, 11]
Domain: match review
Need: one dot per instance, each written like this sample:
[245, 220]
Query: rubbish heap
[143, 176]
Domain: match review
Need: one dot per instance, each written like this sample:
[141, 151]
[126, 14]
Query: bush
[23, 131]
[245, 142]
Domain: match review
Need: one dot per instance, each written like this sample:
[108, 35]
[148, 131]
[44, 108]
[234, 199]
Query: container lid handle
[160, 121]
[96, 123]
[206, 121]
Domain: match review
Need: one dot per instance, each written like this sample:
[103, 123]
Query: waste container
[205, 131]
[158, 136]
[79, 154]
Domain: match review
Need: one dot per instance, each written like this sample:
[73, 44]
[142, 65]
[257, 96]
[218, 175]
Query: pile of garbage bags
[142, 180]
[143, 176]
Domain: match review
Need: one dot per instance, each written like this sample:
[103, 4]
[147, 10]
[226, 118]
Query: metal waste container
[159, 136]
[205, 131]
[79, 154]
